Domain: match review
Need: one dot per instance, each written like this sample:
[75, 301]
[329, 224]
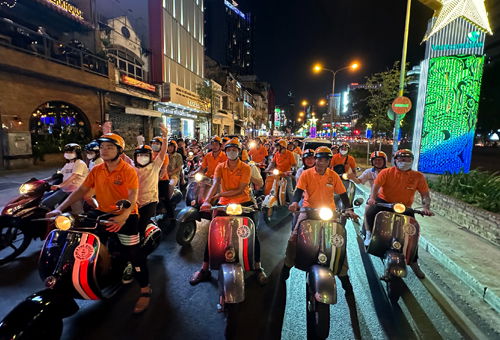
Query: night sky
[291, 35]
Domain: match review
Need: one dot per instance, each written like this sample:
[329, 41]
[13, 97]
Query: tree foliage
[382, 89]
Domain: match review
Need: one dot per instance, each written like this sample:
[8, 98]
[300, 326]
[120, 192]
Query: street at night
[241, 170]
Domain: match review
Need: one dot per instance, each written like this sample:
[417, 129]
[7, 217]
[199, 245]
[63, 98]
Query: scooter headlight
[325, 214]
[198, 177]
[25, 188]
[276, 172]
[191, 154]
[396, 245]
[234, 209]
[399, 208]
[345, 177]
[252, 145]
[64, 221]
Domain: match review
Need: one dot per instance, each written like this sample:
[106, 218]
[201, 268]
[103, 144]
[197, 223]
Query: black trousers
[146, 212]
[163, 194]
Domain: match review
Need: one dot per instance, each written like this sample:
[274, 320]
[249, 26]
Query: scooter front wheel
[185, 232]
[231, 311]
[13, 241]
[318, 318]
[394, 289]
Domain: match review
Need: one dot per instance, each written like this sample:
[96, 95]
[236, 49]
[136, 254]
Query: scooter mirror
[358, 201]
[123, 204]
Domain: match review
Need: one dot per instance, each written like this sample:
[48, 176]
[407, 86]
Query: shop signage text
[66, 6]
[137, 83]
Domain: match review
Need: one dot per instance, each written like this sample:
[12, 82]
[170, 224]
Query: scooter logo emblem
[409, 229]
[337, 240]
[83, 252]
[243, 231]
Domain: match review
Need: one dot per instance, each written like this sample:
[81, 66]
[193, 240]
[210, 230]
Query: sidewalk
[471, 258]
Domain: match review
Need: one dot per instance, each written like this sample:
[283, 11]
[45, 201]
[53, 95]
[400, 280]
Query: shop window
[55, 124]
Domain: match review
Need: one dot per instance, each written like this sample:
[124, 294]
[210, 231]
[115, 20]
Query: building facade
[229, 35]
[54, 79]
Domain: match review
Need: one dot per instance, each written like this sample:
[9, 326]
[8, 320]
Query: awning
[142, 112]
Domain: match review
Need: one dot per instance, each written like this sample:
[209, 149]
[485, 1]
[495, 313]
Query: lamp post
[318, 68]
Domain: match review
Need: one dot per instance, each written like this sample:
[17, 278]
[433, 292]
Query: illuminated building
[229, 35]
[450, 83]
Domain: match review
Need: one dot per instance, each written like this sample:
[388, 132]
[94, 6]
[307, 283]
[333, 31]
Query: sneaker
[261, 276]
[128, 274]
[368, 238]
[200, 276]
[417, 270]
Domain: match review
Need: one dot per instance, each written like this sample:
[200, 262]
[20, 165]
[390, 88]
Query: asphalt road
[180, 311]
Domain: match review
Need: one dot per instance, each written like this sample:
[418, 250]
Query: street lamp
[301, 113]
[322, 102]
[318, 68]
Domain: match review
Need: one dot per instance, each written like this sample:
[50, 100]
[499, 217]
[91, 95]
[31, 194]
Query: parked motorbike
[231, 242]
[321, 252]
[395, 240]
[17, 227]
[275, 191]
[78, 261]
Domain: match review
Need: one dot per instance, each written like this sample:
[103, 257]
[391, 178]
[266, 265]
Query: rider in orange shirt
[233, 177]
[398, 184]
[343, 162]
[213, 158]
[112, 181]
[284, 161]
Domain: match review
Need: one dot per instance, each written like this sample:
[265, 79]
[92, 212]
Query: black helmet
[308, 153]
[92, 146]
[73, 147]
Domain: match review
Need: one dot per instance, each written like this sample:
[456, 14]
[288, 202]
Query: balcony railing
[41, 45]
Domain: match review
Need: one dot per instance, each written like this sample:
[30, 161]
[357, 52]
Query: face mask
[90, 156]
[232, 155]
[156, 148]
[343, 152]
[142, 160]
[403, 166]
[70, 156]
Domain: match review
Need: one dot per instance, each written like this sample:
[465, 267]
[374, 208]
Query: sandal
[261, 276]
[140, 305]
[200, 276]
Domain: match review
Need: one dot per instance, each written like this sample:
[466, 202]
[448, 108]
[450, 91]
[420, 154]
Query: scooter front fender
[232, 282]
[322, 284]
[395, 264]
[32, 315]
[188, 214]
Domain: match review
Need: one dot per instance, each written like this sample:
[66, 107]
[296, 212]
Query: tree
[383, 88]
[206, 93]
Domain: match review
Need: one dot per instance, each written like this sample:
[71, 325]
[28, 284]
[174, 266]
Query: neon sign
[66, 6]
[234, 9]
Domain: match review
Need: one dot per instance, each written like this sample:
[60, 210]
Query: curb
[488, 296]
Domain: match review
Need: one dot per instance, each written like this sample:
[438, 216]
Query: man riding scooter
[284, 161]
[213, 158]
[233, 177]
[398, 184]
[343, 162]
[112, 181]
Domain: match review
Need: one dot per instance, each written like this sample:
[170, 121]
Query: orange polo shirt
[284, 162]
[110, 187]
[231, 180]
[210, 162]
[398, 186]
[258, 154]
[165, 165]
[319, 189]
[297, 150]
[339, 159]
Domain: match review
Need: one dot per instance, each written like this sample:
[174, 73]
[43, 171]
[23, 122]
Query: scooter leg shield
[30, 318]
[395, 264]
[322, 283]
[232, 282]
